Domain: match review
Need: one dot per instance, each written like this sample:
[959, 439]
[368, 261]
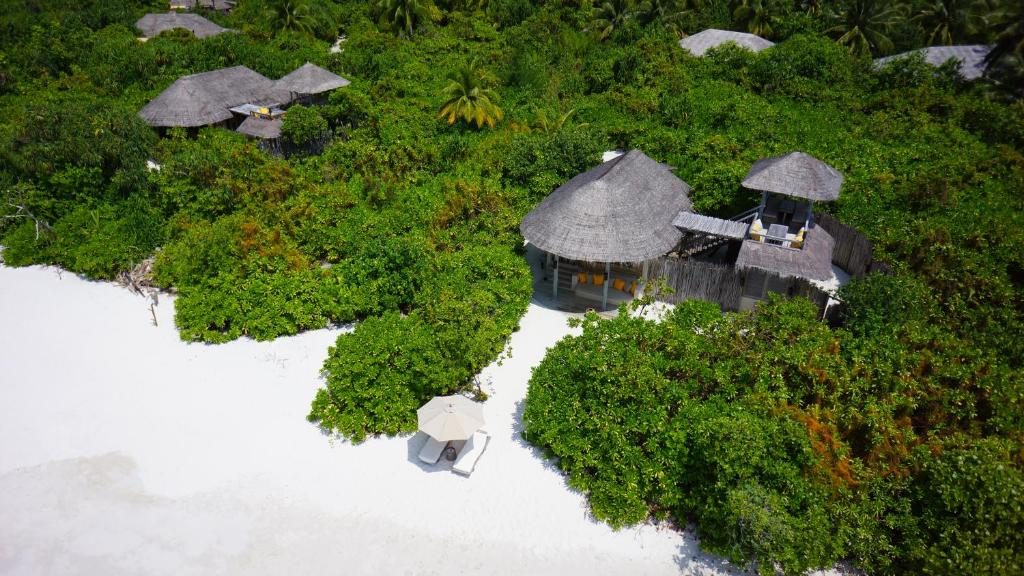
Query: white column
[646, 262]
[555, 289]
[607, 281]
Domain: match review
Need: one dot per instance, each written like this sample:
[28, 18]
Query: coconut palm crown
[469, 100]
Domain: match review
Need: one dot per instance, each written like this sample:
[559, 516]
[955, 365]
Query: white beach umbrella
[450, 417]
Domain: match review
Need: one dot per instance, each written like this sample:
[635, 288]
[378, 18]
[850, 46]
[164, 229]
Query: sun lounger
[431, 451]
[470, 453]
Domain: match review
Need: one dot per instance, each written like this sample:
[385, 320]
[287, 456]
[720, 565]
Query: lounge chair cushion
[619, 284]
[470, 453]
[582, 277]
[431, 451]
[598, 279]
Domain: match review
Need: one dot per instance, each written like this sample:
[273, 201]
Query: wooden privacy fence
[853, 249]
[701, 280]
[719, 283]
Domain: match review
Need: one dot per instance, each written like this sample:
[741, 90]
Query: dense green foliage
[894, 441]
[790, 443]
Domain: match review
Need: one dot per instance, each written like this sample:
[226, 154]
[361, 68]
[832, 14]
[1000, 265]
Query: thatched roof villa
[153, 24]
[206, 98]
[971, 58]
[236, 94]
[631, 211]
[703, 41]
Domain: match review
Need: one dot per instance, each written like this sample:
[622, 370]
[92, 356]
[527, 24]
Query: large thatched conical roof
[311, 79]
[703, 41]
[795, 174]
[153, 24]
[620, 211]
[205, 98]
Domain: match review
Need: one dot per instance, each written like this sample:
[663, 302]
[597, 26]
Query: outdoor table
[779, 232]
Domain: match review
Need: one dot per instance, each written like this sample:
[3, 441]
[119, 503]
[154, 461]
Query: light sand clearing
[126, 451]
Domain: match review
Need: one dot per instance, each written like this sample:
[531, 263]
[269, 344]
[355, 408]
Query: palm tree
[612, 14]
[1005, 62]
[469, 100]
[542, 123]
[669, 12]
[294, 15]
[949, 21]
[862, 25]
[406, 15]
[757, 15]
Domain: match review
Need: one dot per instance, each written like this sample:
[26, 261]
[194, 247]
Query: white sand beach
[126, 451]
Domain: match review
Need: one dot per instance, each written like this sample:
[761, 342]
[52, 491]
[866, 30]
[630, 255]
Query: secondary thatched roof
[205, 98]
[700, 224]
[153, 24]
[311, 79]
[703, 41]
[813, 262]
[619, 211]
[972, 58]
[261, 127]
[795, 174]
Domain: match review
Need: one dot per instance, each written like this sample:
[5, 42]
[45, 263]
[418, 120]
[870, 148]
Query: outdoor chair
[471, 453]
[598, 279]
[619, 284]
[582, 277]
[431, 451]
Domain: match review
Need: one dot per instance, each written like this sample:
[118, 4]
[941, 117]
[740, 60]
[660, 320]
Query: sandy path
[126, 451]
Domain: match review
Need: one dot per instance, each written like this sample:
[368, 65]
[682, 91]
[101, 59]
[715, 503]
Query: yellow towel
[598, 279]
[632, 288]
[619, 284]
[582, 278]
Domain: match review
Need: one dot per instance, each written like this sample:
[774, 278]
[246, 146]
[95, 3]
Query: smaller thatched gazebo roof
[619, 211]
[153, 24]
[971, 58]
[261, 128]
[311, 79]
[813, 261]
[795, 174]
[703, 41]
[206, 98]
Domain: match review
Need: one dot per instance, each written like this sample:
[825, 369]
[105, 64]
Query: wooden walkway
[699, 224]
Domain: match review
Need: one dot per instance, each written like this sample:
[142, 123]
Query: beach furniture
[470, 453]
[432, 450]
[452, 417]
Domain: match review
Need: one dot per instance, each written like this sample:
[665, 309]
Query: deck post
[547, 264]
[555, 286]
[764, 203]
[646, 262]
[607, 281]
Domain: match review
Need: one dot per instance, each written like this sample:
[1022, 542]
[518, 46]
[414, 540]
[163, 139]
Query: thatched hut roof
[311, 79]
[795, 174]
[703, 41]
[223, 5]
[813, 262]
[205, 98]
[619, 211]
[972, 58]
[261, 128]
[153, 24]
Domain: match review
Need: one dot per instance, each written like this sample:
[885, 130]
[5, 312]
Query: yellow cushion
[618, 283]
[632, 288]
[582, 277]
[598, 279]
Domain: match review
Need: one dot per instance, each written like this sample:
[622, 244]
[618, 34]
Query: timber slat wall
[719, 283]
[853, 249]
[702, 280]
